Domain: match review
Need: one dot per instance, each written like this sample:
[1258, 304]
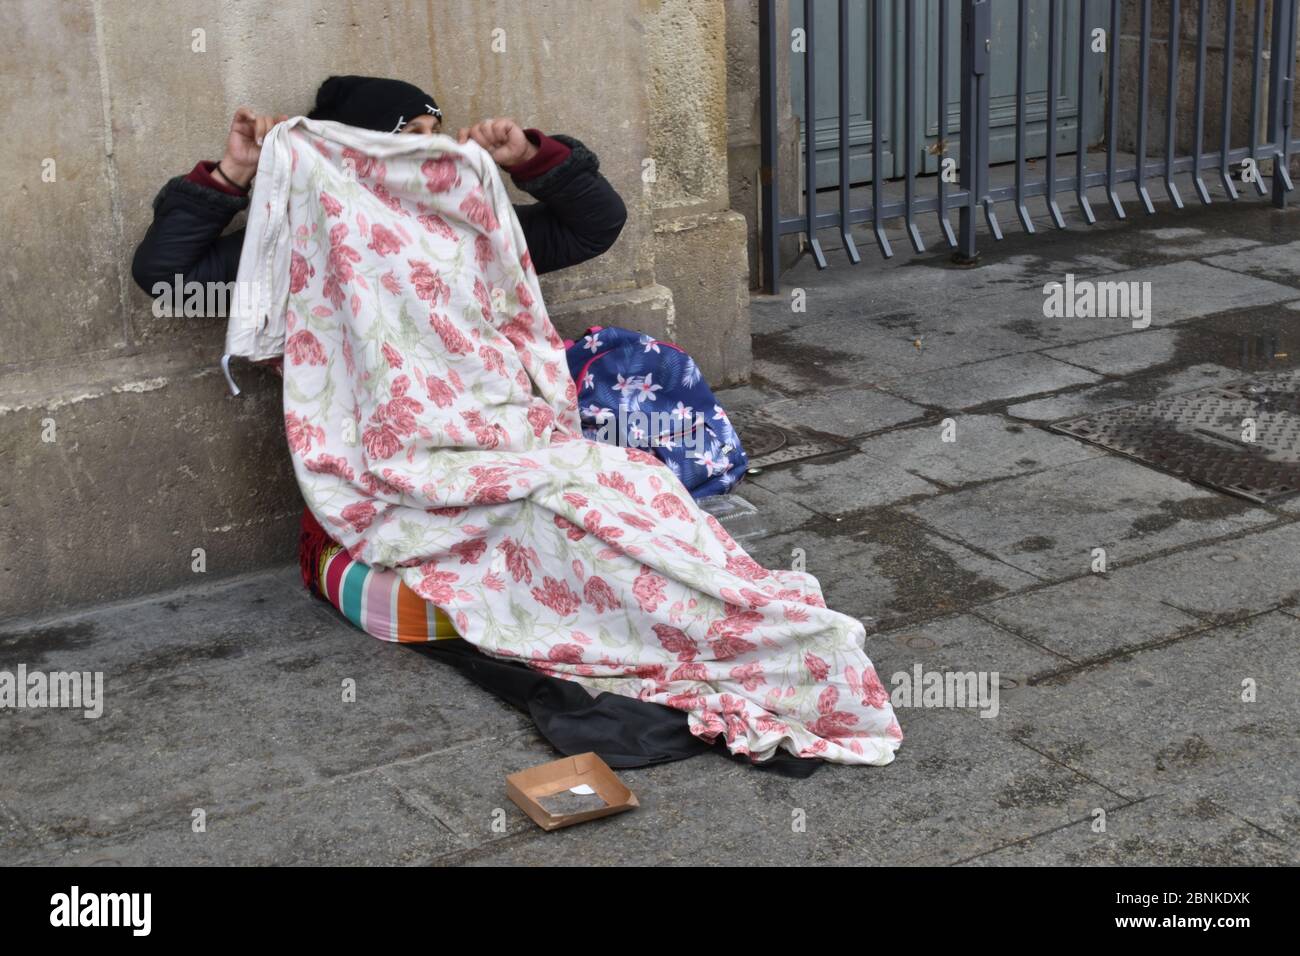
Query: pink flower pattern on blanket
[434, 429]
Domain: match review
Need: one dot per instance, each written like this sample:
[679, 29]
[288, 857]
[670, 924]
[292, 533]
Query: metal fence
[972, 195]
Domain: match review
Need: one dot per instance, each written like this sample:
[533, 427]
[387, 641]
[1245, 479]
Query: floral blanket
[434, 428]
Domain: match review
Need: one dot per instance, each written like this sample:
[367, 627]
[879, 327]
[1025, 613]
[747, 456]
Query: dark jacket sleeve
[577, 217]
[578, 214]
[185, 237]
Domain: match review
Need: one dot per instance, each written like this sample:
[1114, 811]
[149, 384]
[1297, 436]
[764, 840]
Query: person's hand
[244, 144]
[504, 140]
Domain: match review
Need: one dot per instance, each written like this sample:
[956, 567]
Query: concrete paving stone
[1172, 715]
[259, 723]
[1121, 354]
[1269, 801]
[671, 823]
[961, 643]
[175, 631]
[856, 348]
[1261, 223]
[1117, 394]
[465, 788]
[1179, 292]
[406, 704]
[1020, 313]
[680, 831]
[1035, 268]
[1254, 340]
[1249, 574]
[903, 358]
[963, 784]
[885, 567]
[836, 342]
[921, 334]
[16, 840]
[820, 300]
[935, 282]
[1048, 523]
[844, 413]
[1089, 618]
[1187, 290]
[1277, 263]
[771, 313]
[984, 447]
[863, 350]
[842, 483]
[956, 784]
[795, 380]
[1189, 242]
[1000, 573]
[1166, 830]
[996, 380]
[358, 821]
[745, 399]
[843, 566]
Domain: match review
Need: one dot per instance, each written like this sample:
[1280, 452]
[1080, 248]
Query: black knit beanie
[371, 102]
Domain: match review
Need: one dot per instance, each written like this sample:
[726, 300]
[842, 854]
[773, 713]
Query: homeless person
[434, 431]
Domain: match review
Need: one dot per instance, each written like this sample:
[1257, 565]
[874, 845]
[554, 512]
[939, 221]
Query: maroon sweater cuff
[202, 175]
[550, 153]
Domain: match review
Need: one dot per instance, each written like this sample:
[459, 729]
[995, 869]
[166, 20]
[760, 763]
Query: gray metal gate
[1002, 83]
[972, 194]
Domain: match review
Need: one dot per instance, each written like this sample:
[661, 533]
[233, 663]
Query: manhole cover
[1242, 438]
[767, 444]
[759, 438]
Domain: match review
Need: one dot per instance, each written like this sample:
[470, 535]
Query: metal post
[1112, 111]
[1256, 95]
[984, 42]
[1280, 79]
[770, 232]
[850, 248]
[976, 44]
[1225, 112]
[1053, 21]
[1144, 81]
[909, 124]
[877, 130]
[1080, 141]
[945, 225]
[1171, 107]
[810, 136]
[1198, 122]
[1022, 53]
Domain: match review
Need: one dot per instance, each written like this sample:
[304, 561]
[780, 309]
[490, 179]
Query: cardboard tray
[531, 788]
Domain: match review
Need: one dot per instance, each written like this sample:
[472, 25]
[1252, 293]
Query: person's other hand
[504, 140]
[244, 144]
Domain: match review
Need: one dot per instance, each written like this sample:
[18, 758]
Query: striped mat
[378, 601]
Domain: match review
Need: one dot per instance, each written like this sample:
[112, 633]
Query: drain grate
[768, 444]
[1201, 435]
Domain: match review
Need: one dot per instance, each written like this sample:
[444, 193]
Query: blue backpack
[638, 391]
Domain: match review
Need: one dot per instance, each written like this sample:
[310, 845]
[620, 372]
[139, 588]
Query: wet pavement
[1144, 631]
